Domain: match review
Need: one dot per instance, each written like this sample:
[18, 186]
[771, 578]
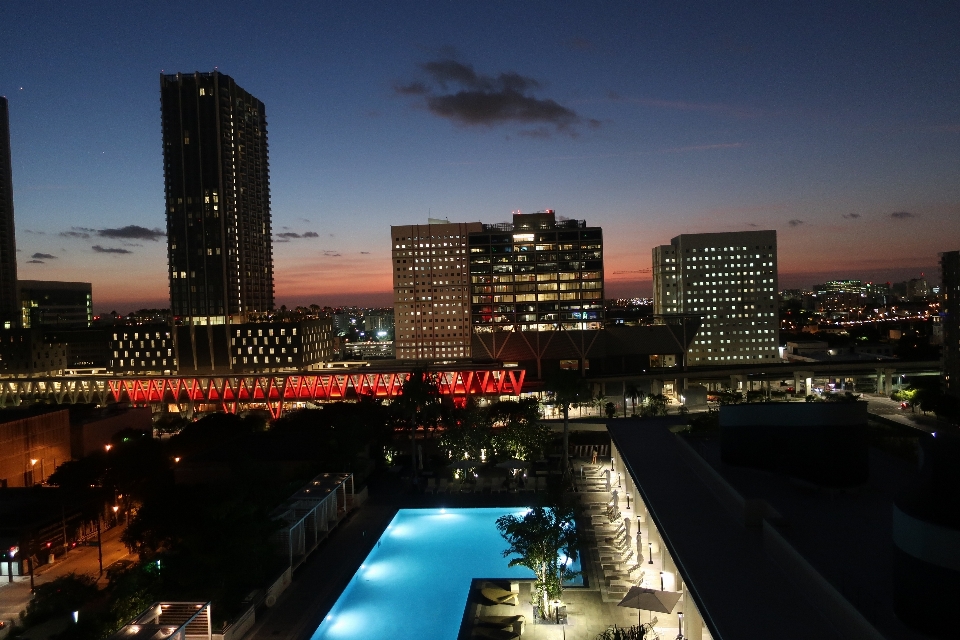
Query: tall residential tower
[217, 188]
[9, 300]
[729, 280]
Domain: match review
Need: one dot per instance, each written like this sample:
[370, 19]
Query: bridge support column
[802, 376]
[736, 382]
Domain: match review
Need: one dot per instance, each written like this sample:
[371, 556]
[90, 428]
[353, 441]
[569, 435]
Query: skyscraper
[9, 300]
[730, 281]
[536, 274]
[217, 189]
[431, 290]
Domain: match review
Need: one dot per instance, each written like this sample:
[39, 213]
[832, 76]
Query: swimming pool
[415, 582]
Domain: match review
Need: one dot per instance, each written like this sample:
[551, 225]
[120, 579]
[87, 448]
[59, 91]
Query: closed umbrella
[616, 500]
[645, 599]
[639, 545]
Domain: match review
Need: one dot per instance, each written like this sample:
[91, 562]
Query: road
[14, 596]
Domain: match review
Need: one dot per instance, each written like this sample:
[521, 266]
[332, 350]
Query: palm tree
[633, 392]
[566, 388]
[542, 540]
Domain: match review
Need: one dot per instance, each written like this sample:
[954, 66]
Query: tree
[418, 405]
[543, 540]
[566, 388]
[517, 429]
[656, 405]
[633, 392]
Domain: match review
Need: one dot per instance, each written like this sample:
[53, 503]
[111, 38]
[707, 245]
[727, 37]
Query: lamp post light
[679, 625]
[628, 500]
[661, 581]
[650, 551]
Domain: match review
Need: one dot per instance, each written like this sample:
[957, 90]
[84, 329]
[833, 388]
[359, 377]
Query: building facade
[27, 352]
[9, 304]
[729, 280]
[537, 273]
[950, 321]
[281, 346]
[45, 303]
[217, 192]
[431, 290]
[145, 348]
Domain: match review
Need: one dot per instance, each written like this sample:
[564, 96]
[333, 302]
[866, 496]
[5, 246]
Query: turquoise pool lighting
[414, 584]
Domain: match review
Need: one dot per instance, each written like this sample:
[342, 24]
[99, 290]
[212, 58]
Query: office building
[281, 346]
[538, 273]
[55, 304]
[28, 352]
[950, 321]
[729, 280]
[9, 304]
[217, 191]
[431, 290]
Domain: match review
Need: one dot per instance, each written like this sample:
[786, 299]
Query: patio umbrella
[645, 599]
[464, 465]
[513, 463]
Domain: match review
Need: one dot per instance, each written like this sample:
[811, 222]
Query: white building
[730, 281]
[431, 290]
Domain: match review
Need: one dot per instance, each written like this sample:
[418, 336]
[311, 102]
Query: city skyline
[836, 126]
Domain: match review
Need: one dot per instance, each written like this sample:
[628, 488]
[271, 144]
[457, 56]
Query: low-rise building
[26, 352]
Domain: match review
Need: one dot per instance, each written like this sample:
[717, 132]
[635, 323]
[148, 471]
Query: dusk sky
[837, 124]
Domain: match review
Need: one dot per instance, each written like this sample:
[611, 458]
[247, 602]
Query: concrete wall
[44, 438]
[95, 434]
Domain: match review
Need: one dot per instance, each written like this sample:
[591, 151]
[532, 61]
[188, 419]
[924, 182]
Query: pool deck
[319, 581]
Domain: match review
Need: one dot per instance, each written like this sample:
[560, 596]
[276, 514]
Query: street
[14, 596]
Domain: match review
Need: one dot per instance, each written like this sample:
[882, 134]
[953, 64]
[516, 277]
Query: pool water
[415, 582]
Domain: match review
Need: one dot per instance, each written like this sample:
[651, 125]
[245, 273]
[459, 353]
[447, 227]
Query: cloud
[902, 215]
[753, 224]
[851, 216]
[100, 249]
[332, 254]
[132, 232]
[286, 236]
[365, 253]
[36, 262]
[36, 233]
[795, 222]
[75, 234]
[460, 94]
[43, 256]
[705, 147]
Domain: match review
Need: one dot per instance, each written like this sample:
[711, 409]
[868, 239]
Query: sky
[836, 124]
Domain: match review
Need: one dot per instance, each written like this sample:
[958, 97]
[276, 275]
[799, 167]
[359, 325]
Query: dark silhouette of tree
[565, 388]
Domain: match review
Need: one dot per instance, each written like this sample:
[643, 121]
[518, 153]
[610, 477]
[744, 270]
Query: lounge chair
[494, 634]
[443, 485]
[454, 487]
[513, 622]
[500, 596]
[480, 485]
[431, 485]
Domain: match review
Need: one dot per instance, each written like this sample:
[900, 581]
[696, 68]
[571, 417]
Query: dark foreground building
[950, 316]
[9, 307]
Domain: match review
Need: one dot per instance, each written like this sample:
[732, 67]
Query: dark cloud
[286, 236]
[851, 216]
[132, 232]
[100, 249]
[795, 222]
[75, 234]
[462, 95]
[902, 215]
[43, 256]
[332, 254]
[36, 262]
[365, 253]
[753, 224]
[36, 233]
